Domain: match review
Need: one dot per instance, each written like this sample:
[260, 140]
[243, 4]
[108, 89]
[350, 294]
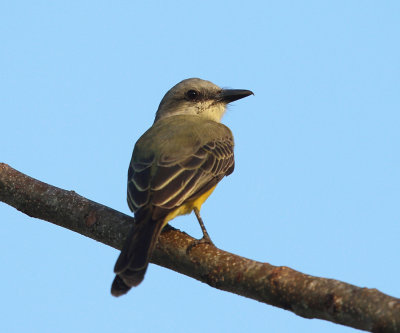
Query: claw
[194, 243]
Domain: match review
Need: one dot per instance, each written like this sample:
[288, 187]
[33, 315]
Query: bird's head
[198, 97]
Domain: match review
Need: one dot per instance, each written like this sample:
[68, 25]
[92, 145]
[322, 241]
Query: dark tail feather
[119, 287]
[132, 263]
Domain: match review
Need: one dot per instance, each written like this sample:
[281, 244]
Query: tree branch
[305, 295]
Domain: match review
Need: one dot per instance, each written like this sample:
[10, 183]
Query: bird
[175, 166]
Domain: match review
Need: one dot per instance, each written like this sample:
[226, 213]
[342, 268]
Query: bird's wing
[169, 181]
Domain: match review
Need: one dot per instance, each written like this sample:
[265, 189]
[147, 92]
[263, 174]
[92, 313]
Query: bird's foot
[204, 240]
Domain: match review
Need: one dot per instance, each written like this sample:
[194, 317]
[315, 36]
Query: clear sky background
[317, 179]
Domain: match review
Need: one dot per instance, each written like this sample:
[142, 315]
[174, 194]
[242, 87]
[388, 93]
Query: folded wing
[167, 182]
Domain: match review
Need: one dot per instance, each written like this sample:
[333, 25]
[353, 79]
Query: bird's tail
[132, 263]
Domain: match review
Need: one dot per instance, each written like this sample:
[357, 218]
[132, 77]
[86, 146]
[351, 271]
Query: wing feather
[162, 195]
[167, 182]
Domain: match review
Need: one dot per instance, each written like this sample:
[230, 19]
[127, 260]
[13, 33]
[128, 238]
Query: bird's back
[178, 137]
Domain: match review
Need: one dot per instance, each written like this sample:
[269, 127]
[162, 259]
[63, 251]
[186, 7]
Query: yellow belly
[187, 207]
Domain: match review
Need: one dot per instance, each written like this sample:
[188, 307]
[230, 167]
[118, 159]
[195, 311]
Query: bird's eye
[192, 95]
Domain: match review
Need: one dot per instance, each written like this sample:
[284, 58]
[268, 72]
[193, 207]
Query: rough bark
[305, 295]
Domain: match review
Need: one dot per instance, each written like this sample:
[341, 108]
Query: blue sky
[317, 181]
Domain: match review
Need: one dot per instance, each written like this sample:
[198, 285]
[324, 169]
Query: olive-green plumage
[175, 166]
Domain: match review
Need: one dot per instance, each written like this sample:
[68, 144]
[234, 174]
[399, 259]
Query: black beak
[230, 95]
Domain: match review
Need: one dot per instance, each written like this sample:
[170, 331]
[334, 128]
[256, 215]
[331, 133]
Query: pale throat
[207, 109]
[212, 111]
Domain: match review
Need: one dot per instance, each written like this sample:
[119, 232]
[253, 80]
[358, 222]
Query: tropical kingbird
[175, 166]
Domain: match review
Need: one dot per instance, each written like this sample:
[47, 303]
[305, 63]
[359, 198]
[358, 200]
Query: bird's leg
[206, 237]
